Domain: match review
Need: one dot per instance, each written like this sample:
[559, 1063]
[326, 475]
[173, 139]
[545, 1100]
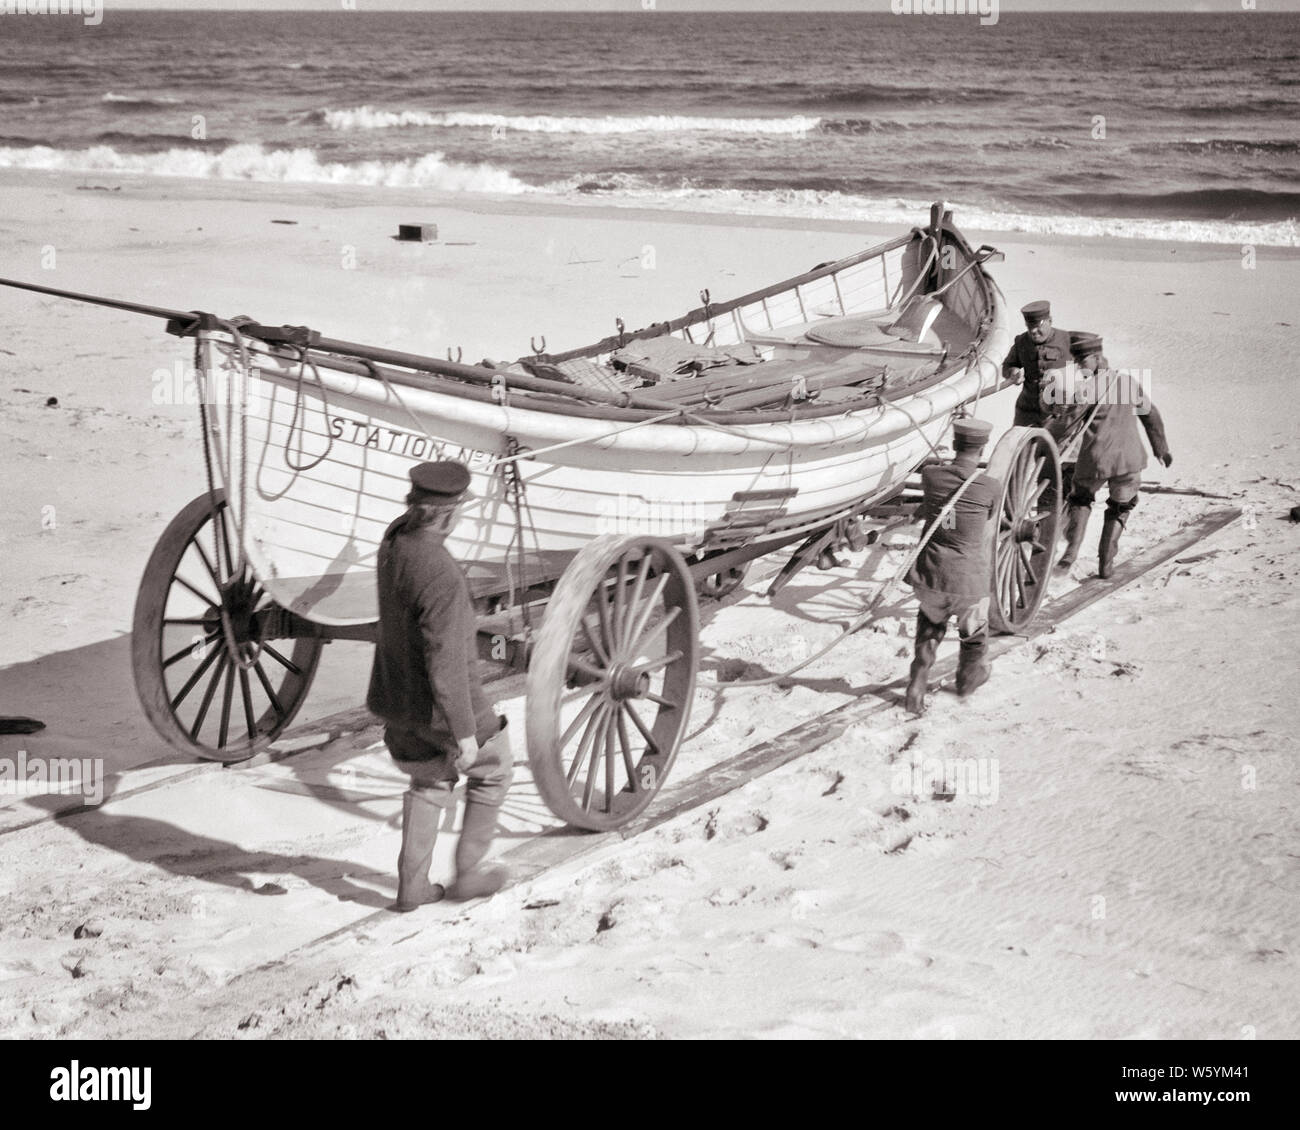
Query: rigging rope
[513, 484]
[303, 362]
[243, 655]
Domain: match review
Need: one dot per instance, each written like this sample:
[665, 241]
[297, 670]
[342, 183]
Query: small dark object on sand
[51, 402]
[417, 233]
[1295, 513]
[20, 725]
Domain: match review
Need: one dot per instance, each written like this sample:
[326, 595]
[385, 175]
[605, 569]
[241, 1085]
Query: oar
[476, 374]
[96, 300]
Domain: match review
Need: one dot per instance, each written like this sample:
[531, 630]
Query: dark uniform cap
[1084, 344]
[969, 432]
[1036, 311]
[446, 479]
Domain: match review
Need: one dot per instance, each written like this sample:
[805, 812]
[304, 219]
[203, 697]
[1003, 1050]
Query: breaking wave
[1218, 216]
[811, 203]
[128, 100]
[365, 117]
[254, 163]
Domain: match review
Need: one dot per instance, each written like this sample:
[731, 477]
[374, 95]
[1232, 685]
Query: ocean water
[1182, 126]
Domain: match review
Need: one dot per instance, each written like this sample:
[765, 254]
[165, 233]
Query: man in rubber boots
[1036, 351]
[425, 687]
[950, 576]
[1111, 452]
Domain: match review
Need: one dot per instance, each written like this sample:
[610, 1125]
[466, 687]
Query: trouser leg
[1116, 519]
[1076, 525]
[928, 636]
[1081, 497]
[973, 664]
[422, 810]
[1123, 498]
[488, 782]
[423, 805]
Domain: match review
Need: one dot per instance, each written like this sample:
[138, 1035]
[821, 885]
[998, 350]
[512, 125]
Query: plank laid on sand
[562, 845]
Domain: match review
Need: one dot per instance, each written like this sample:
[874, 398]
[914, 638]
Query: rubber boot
[928, 636]
[472, 879]
[1076, 525]
[1110, 532]
[420, 820]
[973, 666]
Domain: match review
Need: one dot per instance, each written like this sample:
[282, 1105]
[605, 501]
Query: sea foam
[364, 117]
[829, 205]
[254, 163]
[433, 171]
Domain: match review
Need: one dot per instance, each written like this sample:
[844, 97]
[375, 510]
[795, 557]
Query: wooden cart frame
[617, 648]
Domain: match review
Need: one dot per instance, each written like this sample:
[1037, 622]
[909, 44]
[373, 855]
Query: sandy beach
[1133, 874]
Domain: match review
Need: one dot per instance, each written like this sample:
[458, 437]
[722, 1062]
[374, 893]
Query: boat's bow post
[937, 210]
[939, 216]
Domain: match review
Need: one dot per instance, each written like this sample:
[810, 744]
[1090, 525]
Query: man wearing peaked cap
[1110, 451]
[424, 684]
[1038, 350]
[447, 479]
[950, 575]
[970, 432]
[1084, 344]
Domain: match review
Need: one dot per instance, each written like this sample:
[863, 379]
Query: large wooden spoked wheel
[611, 680]
[209, 682]
[1024, 525]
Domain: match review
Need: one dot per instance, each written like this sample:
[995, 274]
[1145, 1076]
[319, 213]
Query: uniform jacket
[1111, 445]
[956, 560]
[1064, 416]
[1036, 359]
[425, 658]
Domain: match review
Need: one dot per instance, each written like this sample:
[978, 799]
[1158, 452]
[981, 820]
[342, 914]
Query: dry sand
[1130, 871]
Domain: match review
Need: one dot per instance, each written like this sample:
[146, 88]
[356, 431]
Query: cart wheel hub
[628, 682]
[237, 612]
[1026, 529]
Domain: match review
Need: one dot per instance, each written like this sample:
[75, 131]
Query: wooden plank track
[562, 845]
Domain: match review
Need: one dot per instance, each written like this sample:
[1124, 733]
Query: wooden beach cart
[613, 486]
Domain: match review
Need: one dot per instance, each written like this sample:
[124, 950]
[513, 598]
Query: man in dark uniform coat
[1111, 453]
[1033, 353]
[951, 574]
[424, 685]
